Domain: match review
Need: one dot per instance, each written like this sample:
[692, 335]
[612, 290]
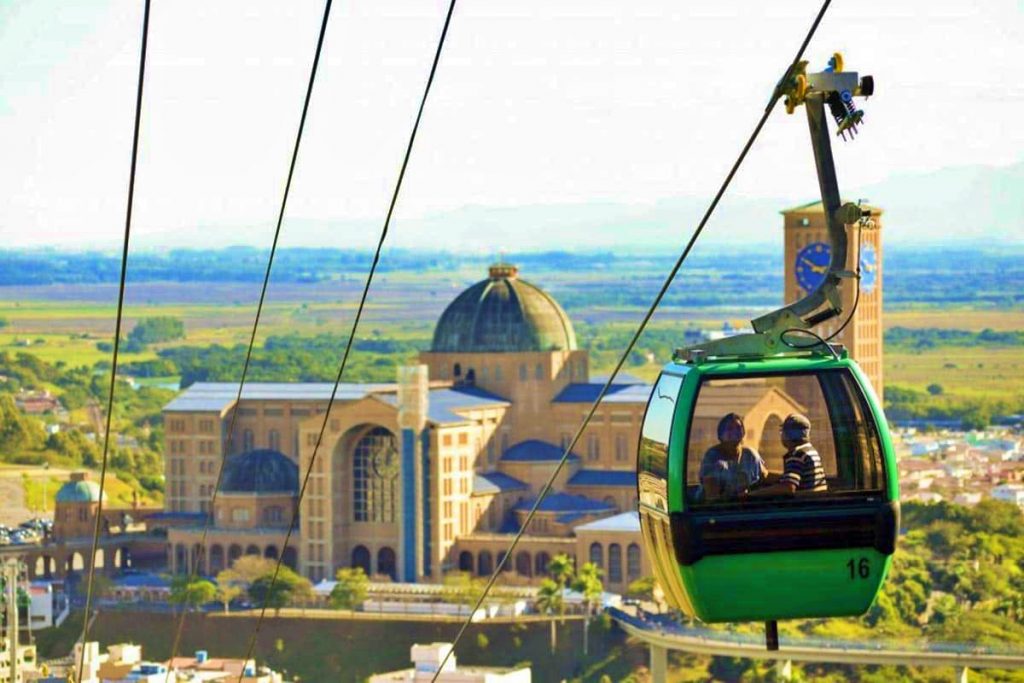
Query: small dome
[503, 314]
[260, 471]
[80, 491]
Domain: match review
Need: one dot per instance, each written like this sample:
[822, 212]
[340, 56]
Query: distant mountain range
[979, 206]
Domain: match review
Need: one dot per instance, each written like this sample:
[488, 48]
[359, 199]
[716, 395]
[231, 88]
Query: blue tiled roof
[442, 403]
[565, 502]
[218, 396]
[141, 580]
[535, 451]
[626, 521]
[604, 478]
[621, 378]
[496, 482]
[617, 393]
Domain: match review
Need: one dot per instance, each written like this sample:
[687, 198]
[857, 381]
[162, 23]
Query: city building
[807, 255]
[123, 663]
[429, 474]
[426, 663]
[1010, 493]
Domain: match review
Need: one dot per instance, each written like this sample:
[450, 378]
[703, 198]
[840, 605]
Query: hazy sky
[535, 102]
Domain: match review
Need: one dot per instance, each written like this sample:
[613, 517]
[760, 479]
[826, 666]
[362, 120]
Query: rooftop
[565, 502]
[219, 396]
[625, 521]
[617, 393]
[503, 314]
[604, 478]
[496, 482]
[535, 451]
[442, 403]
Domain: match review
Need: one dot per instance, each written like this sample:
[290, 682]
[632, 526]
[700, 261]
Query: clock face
[812, 264]
[385, 461]
[868, 268]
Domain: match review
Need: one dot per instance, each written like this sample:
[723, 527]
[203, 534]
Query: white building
[1010, 493]
[426, 660]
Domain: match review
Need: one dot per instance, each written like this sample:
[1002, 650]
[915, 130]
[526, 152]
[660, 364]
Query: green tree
[156, 330]
[191, 593]
[18, 433]
[228, 588]
[550, 601]
[246, 569]
[460, 588]
[935, 389]
[588, 582]
[641, 589]
[276, 593]
[351, 588]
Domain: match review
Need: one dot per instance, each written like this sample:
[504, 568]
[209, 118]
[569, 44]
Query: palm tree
[562, 570]
[588, 582]
[550, 599]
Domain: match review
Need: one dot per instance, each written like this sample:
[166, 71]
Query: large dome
[503, 313]
[260, 471]
[80, 491]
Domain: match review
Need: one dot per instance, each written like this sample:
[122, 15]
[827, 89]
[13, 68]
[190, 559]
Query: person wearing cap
[802, 469]
[729, 468]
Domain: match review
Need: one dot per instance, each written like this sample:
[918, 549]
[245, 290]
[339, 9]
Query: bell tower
[806, 260]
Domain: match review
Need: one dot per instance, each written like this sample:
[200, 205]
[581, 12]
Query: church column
[412, 415]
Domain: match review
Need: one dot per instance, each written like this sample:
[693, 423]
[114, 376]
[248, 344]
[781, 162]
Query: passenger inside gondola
[802, 466]
[729, 469]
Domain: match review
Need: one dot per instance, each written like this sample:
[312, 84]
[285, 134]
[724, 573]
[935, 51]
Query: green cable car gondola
[767, 477]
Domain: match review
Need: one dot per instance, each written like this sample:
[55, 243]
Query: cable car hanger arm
[835, 88]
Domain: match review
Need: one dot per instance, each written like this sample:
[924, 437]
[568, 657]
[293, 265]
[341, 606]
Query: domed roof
[503, 314]
[260, 471]
[79, 491]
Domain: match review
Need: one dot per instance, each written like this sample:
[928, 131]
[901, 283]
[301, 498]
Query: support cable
[194, 568]
[632, 342]
[117, 336]
[352, 333]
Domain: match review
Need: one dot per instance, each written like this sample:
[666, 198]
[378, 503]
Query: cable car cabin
[789, 523]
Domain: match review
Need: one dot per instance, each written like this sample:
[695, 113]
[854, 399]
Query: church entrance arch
[386, 563]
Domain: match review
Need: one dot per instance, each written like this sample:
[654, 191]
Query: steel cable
[351, 337]
[117, 336]
[194, 567]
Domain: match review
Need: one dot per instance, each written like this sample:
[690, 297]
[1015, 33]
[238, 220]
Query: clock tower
[807, 257]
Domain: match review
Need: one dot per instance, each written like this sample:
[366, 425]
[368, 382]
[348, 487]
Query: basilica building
[431, 474]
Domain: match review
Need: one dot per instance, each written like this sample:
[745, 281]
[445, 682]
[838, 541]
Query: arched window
[484, 566]
[248, 441]
[361, 558]
[497, 373]
[538, 371]
[504, 443]
[273, 514]
[274, 440]
[522, 372]
[542, 559]
[597, 554]
[466, 561]
[615, 563]
[386, 563]
[374, 477]
[471, 376]
[457, 370]
[524, 567]
[593, 447]
[633, 561]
